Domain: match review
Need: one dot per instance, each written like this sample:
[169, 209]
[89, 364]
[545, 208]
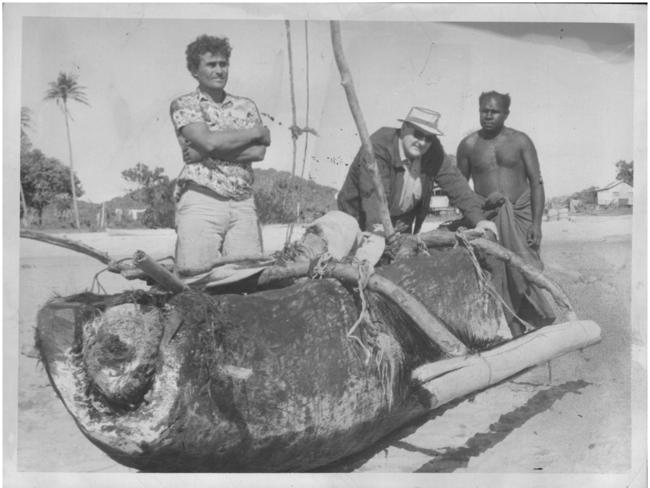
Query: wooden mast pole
[355, 108]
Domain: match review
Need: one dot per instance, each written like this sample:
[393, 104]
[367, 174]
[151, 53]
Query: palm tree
[25, 125]
[25, 145]
[62, 90]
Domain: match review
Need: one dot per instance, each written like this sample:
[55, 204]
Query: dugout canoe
[277, 380]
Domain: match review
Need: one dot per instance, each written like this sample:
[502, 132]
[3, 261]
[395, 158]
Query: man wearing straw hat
[409, 159]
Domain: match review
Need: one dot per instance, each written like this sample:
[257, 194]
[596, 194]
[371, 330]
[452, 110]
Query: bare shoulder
[518, 137]
[468, 141]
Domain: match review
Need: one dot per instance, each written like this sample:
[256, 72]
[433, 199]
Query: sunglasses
[423, 136]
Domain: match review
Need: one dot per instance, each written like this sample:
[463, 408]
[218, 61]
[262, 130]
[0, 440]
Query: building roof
[611, 185]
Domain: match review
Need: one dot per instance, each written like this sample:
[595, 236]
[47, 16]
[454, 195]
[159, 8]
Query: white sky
[572, 88]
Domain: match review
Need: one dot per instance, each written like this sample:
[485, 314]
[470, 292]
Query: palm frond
[66, 88]
[25, 118]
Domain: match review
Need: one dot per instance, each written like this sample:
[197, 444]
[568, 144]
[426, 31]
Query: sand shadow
[449, 460]
[357, 460]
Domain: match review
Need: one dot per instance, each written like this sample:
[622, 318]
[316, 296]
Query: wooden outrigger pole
[434, 238]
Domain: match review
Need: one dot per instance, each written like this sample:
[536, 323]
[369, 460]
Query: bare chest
[493, 154]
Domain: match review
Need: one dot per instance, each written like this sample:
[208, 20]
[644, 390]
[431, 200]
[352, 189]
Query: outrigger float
[291, 364]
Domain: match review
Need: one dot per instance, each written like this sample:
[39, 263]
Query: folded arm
[250, 154]
[237, 145]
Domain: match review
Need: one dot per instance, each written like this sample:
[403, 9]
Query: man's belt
[191, 185]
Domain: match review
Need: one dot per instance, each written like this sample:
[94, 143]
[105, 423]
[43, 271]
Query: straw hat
[424, 119]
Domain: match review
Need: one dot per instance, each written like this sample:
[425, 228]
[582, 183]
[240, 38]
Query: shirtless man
[502, 159]
[503, 164]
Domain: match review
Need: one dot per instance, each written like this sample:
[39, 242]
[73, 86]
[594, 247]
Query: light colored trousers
[207, 228]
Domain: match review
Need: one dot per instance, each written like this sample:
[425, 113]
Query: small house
[617, 193]
[135, 213]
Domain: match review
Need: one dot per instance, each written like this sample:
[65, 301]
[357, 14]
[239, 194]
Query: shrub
[277, 195]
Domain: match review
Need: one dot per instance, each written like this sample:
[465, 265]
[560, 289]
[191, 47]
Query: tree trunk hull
[269, 381]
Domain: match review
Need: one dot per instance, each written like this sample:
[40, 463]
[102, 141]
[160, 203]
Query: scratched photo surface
[574, 74]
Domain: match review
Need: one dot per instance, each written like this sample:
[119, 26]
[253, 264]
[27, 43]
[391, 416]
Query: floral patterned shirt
[227, 179]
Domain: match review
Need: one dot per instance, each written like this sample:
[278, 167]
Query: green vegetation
[155, 193]
[46, 181]
[278, 197]
[46, 186]
[625, 172]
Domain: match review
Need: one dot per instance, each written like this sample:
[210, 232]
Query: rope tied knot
[484, 280]
[422, 246]
[297, 131]
[365, 270]
[319, 268]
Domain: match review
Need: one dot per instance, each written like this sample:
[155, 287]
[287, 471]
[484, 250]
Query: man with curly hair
[220, 135]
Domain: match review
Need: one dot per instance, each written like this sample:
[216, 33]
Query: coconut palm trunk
[62, 90]
[25, 145]
[75, 209]
[23, 203]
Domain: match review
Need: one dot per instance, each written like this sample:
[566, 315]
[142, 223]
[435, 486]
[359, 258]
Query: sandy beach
[574, 416]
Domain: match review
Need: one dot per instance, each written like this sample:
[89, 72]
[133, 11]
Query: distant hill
[277, 195]
[132, 199]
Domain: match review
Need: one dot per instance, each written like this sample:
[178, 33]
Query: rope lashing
[287, 26]
[365, 270]
[96, 282]
[462, 240]
[306, 129]
[319, 268]
[295, 129]
[422, 246]
[294, 126]
[483, 280]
